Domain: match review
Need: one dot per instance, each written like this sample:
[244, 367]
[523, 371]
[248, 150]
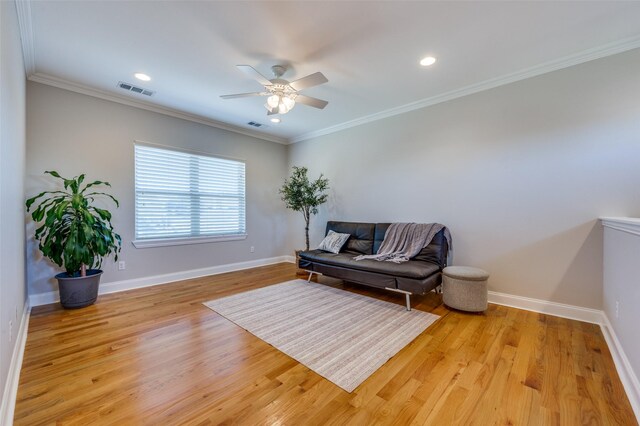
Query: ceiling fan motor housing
[278, 70]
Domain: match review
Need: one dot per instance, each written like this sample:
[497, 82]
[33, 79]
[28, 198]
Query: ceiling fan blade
[244, 95]
[308, 81]
[251, 72]
[313, 102]
[274, 112]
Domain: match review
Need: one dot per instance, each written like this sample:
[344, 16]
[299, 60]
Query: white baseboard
[13, 377]
[593, 316]
[116, 286]
[625, 371]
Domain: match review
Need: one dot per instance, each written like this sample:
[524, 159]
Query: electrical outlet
[617, 309]
[122, 266]
[10, 331]
[252, 249]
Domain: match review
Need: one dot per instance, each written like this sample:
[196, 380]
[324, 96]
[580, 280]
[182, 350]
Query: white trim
[108, 96]
[593, 316]
[630, 225]
[165, 242]
[557, 64]
[25, 23]
[625, 371]
[117, 286]
[13, 377]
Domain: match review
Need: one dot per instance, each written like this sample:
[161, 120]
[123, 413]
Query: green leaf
[299, 193]
[106, 195]
[73, 231]
[104, 214]
[32, 200]
[97, 182]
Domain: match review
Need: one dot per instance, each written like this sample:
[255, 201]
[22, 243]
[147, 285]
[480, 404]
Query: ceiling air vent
[135, 89]
[254, 124]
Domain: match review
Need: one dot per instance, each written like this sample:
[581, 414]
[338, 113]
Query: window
[183, 197]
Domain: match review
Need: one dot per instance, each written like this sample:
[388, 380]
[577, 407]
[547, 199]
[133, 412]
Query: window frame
[178, 241]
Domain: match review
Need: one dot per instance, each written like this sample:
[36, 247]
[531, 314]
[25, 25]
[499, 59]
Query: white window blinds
[184, 195]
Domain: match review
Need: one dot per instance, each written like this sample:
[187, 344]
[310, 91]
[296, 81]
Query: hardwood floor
[157, 356]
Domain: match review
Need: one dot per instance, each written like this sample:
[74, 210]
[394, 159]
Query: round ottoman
[465, 288]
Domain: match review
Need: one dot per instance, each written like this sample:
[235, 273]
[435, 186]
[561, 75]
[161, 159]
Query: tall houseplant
[76, 235]
[302, 195]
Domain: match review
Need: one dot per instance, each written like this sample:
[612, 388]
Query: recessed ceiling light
[141, 76]
[429, 60]
[275, 120]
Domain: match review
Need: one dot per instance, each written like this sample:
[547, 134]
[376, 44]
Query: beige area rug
[342, 336]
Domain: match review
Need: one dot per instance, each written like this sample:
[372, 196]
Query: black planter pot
[78, 292]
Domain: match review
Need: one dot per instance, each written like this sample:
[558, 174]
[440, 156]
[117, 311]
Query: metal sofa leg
[407, 295]
[311, 275]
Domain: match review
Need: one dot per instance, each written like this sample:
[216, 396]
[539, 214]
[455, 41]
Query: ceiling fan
[282, 94]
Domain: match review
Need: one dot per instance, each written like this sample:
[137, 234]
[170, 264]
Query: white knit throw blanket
[402, 241]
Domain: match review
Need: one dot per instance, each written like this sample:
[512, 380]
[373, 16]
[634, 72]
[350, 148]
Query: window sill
[165, 242]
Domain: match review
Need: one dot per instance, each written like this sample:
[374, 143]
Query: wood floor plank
[158, 356]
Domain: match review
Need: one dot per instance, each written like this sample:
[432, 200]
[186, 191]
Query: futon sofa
[419, 275]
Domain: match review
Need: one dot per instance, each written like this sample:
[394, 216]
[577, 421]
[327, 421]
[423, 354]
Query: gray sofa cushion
[410, 269]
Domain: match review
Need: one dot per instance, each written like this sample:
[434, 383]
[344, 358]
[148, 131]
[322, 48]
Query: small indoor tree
[76, 235]
[302, 195]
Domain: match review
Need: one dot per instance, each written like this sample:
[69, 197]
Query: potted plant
[302, 195]
[76, 235]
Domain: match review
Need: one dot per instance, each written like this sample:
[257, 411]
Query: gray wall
[74, 134]
[12, 152]
[519, 173]
[622, 286]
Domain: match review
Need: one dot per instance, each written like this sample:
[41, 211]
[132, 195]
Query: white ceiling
[369, 51]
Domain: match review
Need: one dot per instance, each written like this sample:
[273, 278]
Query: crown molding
[90, 91]
[557, 64]
[23, 8]
[629, 225]
[27, 36]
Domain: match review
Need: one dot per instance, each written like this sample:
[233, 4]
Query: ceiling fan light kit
[282, 94]
[273, 101]
[280, 102]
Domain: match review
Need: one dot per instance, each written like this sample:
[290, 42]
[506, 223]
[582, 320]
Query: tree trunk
[83, 270]
[306, 234]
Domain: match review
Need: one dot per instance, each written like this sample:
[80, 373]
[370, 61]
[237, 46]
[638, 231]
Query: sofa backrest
[366, 239]
[381, 230]
[435, 252]
[361, 239]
